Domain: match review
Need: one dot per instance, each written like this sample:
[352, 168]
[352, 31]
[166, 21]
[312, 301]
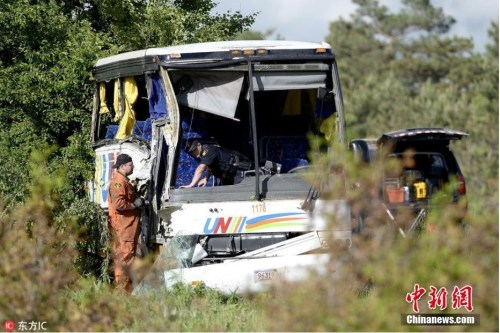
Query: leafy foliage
[38, 280]
[364, 287]
[46, 82]
[45, 85]
[398, 70]
[36, 253]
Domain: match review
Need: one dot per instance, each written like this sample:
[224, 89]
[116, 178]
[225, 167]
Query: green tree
[46, 86]
[410, 44]
[401, 70]
[399, 51]
[136, 24]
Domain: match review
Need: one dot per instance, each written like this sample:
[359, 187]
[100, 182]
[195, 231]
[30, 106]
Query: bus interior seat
[143, 129]
[138, 128]
[186, 169]
[291, 163]
[147, 133]
[192, 128]
[289, 151]
[111, 131]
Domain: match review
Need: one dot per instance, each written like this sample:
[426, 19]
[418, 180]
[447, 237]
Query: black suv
[417, 163]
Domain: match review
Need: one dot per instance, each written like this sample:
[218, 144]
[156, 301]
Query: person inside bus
[225, 164]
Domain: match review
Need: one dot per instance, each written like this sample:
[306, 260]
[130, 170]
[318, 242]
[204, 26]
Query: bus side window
[142, 126]
[106, 128]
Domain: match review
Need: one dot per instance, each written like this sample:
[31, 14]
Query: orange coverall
[125, 220]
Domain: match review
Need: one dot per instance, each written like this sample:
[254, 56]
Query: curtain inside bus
[218, 92]
[157, 102]
[127, 122]
[213, 92]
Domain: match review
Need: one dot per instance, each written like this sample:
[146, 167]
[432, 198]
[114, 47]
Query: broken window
[124, 108]
[214, 109]
[213, 92]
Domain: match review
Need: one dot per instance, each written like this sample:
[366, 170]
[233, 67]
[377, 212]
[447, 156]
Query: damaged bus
[261, 99]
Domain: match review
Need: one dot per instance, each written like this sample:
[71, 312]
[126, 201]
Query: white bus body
[260, 98]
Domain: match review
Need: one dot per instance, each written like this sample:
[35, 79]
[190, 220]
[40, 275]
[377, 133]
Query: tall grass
[39, 280]
[364, 289]
[368, 290]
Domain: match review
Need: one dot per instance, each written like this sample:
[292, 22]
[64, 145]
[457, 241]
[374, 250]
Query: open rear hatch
[420, 136]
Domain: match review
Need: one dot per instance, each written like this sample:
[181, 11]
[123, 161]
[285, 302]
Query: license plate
[265, 275]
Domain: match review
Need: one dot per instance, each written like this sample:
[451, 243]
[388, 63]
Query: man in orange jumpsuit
[125, 220]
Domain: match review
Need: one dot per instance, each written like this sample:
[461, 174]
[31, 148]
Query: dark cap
[193, 146]
[122, 159]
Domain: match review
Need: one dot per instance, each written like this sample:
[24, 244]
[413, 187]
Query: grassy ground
[38, 281]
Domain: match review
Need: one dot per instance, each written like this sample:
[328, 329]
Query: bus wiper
[310, 201]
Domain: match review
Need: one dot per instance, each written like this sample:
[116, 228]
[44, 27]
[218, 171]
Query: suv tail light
[461, 184]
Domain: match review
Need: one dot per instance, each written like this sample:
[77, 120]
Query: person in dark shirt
[218, 161]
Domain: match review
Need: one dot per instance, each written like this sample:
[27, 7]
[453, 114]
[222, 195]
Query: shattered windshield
[178, 252]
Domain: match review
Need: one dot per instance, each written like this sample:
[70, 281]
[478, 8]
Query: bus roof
[214, 47]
